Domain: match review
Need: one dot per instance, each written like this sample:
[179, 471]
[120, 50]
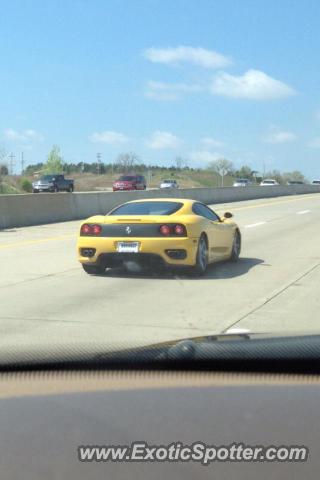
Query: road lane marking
[254, 225]
[34, 242]
[267, 204]
[303, 212]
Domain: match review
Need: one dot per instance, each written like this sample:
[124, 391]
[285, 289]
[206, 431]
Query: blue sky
[200, 79]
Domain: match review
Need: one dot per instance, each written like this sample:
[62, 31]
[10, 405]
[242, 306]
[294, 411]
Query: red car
[130, 182]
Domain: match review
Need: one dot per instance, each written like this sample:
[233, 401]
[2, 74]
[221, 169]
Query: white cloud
[314, 143]
[169, 91]
[202, 157]
[211, 142]
[183, 54]
[109, 137]
[160, 140]
[23, 135]
[253, 84]
[279, 136]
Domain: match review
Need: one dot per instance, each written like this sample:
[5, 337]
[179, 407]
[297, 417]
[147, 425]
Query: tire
[70, 189]
[202, 256]
[34, 191]
[93, 269]
[236, 247]
[56, 189]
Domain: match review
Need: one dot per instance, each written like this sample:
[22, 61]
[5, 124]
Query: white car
[241, 182]
[268, 182]
[169, 184]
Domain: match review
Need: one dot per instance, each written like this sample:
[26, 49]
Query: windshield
[147, 208]
[149, 114]
[47, 178]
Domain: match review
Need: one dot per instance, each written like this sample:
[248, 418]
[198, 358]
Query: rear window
[127, 178]
[147, 208]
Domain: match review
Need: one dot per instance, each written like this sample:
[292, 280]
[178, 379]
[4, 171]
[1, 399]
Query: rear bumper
[43, 189]
[122, 189]
[169, 251]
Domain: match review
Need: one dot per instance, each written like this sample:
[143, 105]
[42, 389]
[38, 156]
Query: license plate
[128, 247]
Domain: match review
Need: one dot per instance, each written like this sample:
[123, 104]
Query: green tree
[54, 162]
[26, 185]
[244, 172]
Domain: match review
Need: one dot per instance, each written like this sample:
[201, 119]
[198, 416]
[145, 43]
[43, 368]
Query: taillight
[88, 229]
[96, 229]
[173, 230]
[165, 230]
[180, 230]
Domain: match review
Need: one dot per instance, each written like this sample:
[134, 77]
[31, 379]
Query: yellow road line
[34, 242]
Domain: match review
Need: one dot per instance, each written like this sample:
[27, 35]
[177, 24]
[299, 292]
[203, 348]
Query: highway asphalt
[46, 298]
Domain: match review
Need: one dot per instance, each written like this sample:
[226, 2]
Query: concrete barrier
[37, 209]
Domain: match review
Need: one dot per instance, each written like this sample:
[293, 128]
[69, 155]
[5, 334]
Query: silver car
[169, 184]
[241, 182]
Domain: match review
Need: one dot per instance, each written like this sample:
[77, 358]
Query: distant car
[169, 184]
[52, 183]
[295, 182]
[130, 182]
[315, 182]
[241, 182]
[268, 182]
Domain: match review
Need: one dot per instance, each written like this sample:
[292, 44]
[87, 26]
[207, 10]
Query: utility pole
[12, 164]
[22, 163]
[99, 162]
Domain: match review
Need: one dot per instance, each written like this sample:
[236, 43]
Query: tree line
[129, 162]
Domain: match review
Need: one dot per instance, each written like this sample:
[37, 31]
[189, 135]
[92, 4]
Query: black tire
[93, 269]
[56, 189]
[34, 191]
[236, 247]
[202, 256]
[70, 190]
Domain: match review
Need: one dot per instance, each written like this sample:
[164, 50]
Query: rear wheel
[236, 247]
[56, 189]
[202, 257]
[93, 269]
[70, 189]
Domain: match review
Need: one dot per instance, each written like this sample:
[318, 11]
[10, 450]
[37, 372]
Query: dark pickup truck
[52, 183]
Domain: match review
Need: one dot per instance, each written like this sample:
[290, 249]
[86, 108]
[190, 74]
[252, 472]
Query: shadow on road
[216, 271]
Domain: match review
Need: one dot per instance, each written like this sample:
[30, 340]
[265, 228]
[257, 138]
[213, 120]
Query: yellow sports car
[166, 231]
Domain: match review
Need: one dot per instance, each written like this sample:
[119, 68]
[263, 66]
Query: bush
[26, 185]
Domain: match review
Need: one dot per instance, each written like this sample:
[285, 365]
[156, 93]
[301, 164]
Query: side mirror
[228, 215]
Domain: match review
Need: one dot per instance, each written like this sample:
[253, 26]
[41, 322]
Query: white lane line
[255, 225]
[303, 212]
